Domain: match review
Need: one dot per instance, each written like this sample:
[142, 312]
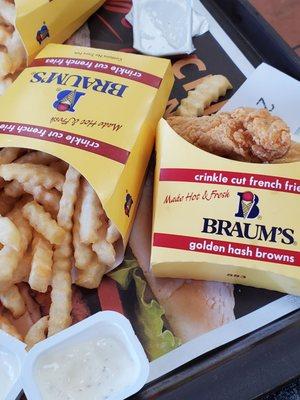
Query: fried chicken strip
[293, 155]
[246, 134]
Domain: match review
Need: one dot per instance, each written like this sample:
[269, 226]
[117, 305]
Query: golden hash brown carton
[95, 109]
[224, 220]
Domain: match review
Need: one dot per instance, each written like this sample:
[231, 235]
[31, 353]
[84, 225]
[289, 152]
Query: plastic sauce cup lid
[162, 28]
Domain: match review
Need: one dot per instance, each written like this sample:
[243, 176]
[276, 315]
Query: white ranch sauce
[93, 370]
[8, 368]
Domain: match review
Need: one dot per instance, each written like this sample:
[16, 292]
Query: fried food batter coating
[246, 134]
[293, 155]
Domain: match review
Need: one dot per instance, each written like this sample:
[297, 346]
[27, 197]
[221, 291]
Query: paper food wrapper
[28, 26]
[197, 194]
[96, 110]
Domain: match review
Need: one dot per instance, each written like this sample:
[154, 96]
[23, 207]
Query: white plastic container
[200, 23]
[163, 27]
[105, 324]
[12, 355]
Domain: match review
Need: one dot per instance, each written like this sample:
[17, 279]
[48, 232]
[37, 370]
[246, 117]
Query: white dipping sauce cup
[102, 324]
[17, 354]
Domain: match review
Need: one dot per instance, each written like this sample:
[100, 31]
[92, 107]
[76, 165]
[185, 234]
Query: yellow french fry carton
[223, 220]
[40, 22]
[95, 109]
[29, 25]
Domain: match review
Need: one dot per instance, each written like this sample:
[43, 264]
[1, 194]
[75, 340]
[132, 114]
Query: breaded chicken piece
[82, 37]
[293, 155]
[246, 134]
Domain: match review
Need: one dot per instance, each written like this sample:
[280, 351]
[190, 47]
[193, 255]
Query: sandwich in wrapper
[27, 26]
[165, 312]
[191, 308]
[216, 210]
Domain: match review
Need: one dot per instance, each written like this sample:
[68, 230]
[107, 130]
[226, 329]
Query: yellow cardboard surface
[224, 220]
[41, 22]
[95, 109]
